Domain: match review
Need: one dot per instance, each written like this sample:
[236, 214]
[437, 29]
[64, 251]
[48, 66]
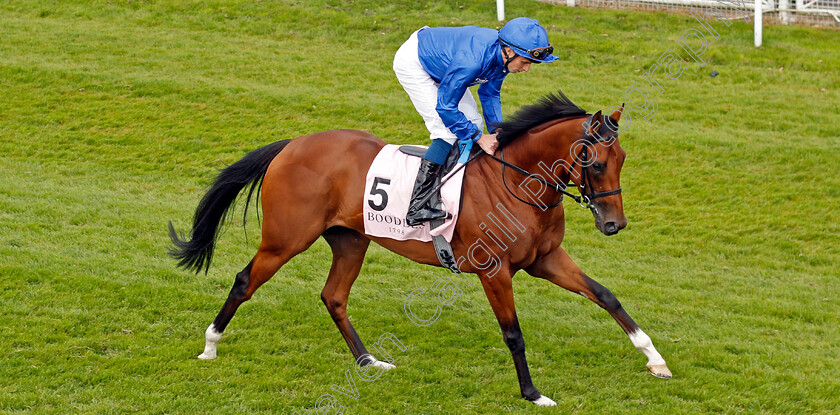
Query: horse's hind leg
[348, 248]
[264, 265]
[559, 268]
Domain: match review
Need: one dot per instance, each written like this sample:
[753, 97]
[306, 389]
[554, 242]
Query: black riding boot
[420, 211]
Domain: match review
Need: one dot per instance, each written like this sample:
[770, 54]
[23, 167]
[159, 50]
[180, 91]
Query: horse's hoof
[660, 371]
[206, 356]
[383, 365]
[544, 401]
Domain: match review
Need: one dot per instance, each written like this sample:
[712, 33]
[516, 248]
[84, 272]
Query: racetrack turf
[116, 114]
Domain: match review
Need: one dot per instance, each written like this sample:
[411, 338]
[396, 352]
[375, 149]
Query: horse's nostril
[611, 227]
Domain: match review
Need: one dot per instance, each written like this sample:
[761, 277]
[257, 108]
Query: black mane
[549, 108]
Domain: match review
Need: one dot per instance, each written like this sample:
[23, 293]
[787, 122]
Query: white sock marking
[384, 365]
[544, 401]
[211, 338]
[643, 344]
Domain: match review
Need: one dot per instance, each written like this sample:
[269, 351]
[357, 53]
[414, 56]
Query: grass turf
[116, 114]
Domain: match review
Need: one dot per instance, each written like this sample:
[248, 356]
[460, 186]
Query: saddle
[443, 248]
[420, 151]
[387, 194]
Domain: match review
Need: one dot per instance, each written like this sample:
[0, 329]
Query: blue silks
[438, 151]
[460, 57]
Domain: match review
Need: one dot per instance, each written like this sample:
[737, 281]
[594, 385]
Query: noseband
[584, 200]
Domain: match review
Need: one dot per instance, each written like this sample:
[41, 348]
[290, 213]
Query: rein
[583, 200]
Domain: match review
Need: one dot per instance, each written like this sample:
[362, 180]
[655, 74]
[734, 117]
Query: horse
[313, 186]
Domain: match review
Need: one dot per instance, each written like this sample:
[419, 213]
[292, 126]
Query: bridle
[584, 200]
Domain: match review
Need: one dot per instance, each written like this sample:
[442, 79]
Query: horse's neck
[545, 148]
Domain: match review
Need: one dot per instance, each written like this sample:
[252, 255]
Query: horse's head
[600, 158]
[590, 157]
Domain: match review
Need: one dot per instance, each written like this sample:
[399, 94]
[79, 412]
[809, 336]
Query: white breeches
[423, 91]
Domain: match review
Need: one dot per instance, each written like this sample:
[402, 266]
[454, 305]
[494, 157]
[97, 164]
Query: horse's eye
[598, 166]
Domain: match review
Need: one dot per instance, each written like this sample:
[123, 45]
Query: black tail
[210, 215]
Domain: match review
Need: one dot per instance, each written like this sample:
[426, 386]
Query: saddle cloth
[388, 186]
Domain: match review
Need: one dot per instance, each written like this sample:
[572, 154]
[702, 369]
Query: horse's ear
[616, 115]
[592, 126]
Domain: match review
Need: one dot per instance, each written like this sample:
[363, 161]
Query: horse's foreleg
[559, 268]
[264, 265]
[349, 248]
[500, 293]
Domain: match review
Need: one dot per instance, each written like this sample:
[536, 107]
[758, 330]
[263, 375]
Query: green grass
[115, 115]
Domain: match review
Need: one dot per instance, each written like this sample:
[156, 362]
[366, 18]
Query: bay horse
[313, 186]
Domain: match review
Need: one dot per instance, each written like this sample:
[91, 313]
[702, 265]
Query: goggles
[536, 53]
[541, 53]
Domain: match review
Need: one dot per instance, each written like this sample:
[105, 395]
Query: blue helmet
[527, 39]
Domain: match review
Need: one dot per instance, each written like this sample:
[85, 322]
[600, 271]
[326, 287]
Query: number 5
[374, 191]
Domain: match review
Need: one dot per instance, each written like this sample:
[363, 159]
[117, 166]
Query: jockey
[436, 65]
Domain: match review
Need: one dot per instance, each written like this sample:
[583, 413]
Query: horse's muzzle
[610, 227]
[607, 221]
